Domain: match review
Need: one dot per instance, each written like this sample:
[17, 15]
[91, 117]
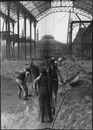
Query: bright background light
[55, 24]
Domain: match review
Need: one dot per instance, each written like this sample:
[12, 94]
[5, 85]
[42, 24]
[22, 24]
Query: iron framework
[40, 9]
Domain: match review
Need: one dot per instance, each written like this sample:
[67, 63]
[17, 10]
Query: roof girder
[40, 9]
[6, 17]
[61, 6]
[25, 11]
[14, 6]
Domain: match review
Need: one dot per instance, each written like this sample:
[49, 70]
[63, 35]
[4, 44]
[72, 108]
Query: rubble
[76, 110]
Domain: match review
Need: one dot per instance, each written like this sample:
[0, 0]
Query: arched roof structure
[37, 10]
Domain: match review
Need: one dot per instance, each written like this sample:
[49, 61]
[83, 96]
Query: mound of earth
[76, 110]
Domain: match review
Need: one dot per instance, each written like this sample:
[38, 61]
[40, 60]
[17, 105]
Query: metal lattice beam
[62, 6]
[61, 9]
[40, 9]
[4, 15]
[28, 14]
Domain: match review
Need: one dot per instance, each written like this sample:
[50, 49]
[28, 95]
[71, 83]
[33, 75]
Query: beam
[70, 45]
[8, 38]
[30, 38]
[6, 24]
[36, 6]
[81, 22]
[4, 15]
[13, 41]
[25, 35]
[35, 40]
[25, 11]
[18, 32]
[14, 38]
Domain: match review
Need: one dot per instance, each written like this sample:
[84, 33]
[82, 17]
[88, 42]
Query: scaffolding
[34, 11]
[9, 36]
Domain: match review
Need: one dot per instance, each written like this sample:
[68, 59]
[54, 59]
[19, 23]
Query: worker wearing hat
[21, 78]
[53, 74]
[44, 94]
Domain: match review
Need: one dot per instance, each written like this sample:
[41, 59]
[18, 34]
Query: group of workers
[47, 80]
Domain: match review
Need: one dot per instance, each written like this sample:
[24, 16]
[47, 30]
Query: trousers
[53, 85]
[22, 87]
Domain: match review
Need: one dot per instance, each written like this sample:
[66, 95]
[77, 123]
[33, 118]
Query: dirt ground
[20, 114]
[15, 113]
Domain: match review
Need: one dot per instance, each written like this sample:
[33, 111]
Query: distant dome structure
[48, 47]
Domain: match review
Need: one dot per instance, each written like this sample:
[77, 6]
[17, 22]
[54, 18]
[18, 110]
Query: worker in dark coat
[53, 74]
[34, 73]
[21, 78]
[44, 94]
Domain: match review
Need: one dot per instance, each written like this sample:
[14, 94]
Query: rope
[61, 19]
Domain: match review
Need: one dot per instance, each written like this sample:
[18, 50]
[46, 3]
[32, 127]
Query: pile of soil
[76, 110]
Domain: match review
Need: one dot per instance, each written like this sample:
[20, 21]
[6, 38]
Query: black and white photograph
[46, 64]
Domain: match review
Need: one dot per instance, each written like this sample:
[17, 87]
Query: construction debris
[76, 111]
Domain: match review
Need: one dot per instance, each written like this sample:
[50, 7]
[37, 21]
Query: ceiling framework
[81, 7]
[13, 10]
[6, 17]
[14, 7]
[37, 10]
